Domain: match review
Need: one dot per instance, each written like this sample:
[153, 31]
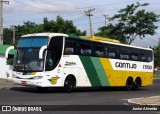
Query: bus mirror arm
[7, 51]
[41, 51]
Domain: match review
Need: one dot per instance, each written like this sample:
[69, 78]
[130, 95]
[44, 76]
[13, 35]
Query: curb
[5, 84]
[132, 101]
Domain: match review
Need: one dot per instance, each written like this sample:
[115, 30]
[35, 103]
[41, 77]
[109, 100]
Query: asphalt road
[80, 96]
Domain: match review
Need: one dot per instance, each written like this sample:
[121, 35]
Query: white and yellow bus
[60, 60]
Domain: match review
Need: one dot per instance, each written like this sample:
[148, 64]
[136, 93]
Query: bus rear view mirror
[7, 51]
[41, 51]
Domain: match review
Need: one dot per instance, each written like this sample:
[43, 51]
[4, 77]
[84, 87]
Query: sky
[19, 11]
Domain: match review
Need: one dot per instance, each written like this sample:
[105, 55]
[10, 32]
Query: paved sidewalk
[7, 84]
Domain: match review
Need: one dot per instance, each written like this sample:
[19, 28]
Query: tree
[61, 26]
[112, 31]
[8, 37]
[58, 26]
[157, 56]
[132, 23]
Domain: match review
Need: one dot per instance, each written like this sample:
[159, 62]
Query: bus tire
[129, 84]
[137, 83]
[69, 84]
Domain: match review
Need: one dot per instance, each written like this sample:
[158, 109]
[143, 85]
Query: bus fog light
[39, 83]
[38, 77]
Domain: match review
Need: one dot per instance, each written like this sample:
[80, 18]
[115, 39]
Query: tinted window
[142, 56]
[86, 48]
[33, 42]
[70, 47]
[112, 51]
[134, 54]
[124, 53]
[99, 51]
[149, 56]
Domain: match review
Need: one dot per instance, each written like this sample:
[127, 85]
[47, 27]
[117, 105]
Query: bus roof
[107, 40]
[89, 38]
[45, 34]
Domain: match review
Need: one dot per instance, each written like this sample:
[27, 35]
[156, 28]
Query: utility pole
[88, 13]
[105, 16]
[1, 19]
[14, 32]
[159, 42]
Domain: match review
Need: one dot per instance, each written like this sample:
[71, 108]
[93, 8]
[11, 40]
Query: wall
[5, 70]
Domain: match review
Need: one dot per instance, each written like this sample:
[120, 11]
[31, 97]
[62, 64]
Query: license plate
[24, 83]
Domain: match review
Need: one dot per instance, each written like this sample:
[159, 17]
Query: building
[6, 64]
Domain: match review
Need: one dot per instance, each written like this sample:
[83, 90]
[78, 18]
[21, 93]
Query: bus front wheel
[69, 84]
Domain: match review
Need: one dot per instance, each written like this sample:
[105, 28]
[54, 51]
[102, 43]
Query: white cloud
[9, 8]
[158, 31]
[38, 7]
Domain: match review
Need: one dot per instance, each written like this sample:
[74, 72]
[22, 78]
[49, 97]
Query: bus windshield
[27, 59]
[32, 41]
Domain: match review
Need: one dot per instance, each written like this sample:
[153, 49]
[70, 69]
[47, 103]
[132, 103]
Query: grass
[157, 75]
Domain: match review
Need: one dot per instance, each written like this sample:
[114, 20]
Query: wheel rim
[69, 85]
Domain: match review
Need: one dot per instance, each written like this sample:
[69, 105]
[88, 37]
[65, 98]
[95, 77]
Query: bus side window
[143, 57]
[149, 59]
[112, 52]
[85, 48]
[134, 55]
[149, 56]
[70, 47]
[86, 52]
[99, 51]
[124, 53]
[106, 52]
[69, 50]
[111, 55]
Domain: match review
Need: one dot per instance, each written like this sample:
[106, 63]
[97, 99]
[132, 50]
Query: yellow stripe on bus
[107, 68]
[119, 77]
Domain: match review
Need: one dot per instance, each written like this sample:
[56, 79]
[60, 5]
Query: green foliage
[109, 31]
[131, 23]
[157, 56]
[8, 38]
[57, 26]
[61, 26]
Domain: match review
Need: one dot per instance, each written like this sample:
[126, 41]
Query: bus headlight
[14, 76]
[37, 77]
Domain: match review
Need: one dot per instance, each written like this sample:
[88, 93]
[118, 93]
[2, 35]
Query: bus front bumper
[28, 82]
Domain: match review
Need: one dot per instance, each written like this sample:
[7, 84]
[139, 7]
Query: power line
[50, 11]
[77, 7]
[43, 8]
[61, 11]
